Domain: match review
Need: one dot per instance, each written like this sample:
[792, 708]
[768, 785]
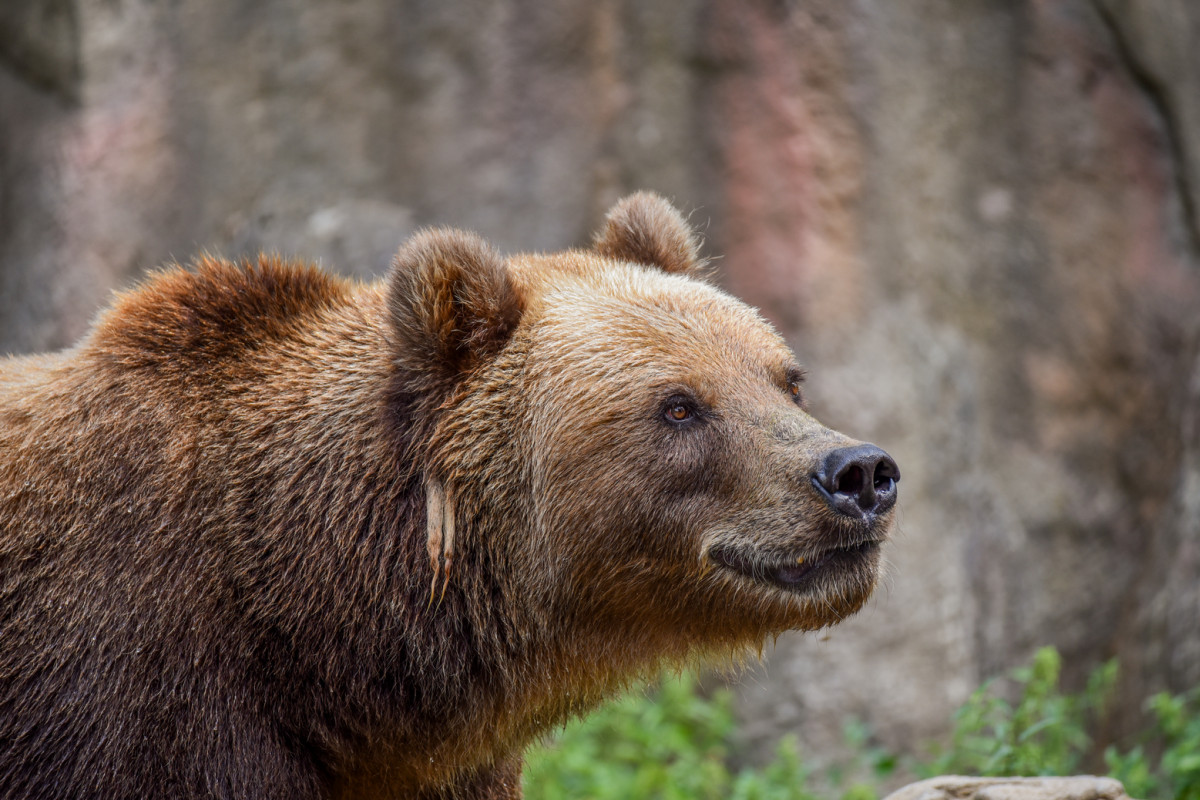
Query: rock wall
[1024, 338]
[977, 221]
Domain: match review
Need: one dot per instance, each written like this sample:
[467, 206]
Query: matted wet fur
[266, 532]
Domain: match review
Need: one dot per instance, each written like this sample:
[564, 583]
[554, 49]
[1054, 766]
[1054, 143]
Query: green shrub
[674, 743]
[1041, 732]
[1176, 736]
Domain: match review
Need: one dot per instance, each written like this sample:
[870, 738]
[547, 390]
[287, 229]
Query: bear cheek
[634, 512]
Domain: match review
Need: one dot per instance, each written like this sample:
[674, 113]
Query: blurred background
[977, 221]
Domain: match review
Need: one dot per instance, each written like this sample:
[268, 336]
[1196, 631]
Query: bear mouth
[793, 573]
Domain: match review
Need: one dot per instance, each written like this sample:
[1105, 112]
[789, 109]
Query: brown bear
[266, 532]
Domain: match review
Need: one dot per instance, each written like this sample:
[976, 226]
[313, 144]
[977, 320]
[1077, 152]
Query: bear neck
[351, 621]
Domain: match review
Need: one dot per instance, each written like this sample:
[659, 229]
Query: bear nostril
[858, 481]
[850, 481]
[886, 474]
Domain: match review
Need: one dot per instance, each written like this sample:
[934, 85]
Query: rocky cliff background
[977, 221]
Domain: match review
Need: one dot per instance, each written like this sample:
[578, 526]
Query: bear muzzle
[857, 482]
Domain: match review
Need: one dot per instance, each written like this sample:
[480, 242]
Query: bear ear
[646, 229]
[452, 303]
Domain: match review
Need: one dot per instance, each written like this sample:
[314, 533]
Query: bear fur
[266, 532]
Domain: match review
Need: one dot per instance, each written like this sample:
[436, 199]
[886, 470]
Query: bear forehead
[633, 323]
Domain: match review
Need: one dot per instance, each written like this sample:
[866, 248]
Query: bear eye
[794, 379]
[678, 410]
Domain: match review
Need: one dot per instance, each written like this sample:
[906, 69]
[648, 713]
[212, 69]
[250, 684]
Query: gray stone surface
[975, 220]
[957, 787]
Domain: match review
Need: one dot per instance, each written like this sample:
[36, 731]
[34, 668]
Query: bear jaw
[801, 574]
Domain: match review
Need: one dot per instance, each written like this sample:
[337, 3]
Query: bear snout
[858, 481]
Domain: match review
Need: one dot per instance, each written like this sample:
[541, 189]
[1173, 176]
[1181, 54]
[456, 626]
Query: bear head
[627, 444]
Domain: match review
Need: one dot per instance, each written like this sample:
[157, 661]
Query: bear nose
[858, 481]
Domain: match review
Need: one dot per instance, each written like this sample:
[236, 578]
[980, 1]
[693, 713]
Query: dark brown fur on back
[208, 548]
[217, 576]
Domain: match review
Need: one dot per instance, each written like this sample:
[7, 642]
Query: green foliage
[671, 746]
[675, 743]
[1176, 737]
[1040, 732]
